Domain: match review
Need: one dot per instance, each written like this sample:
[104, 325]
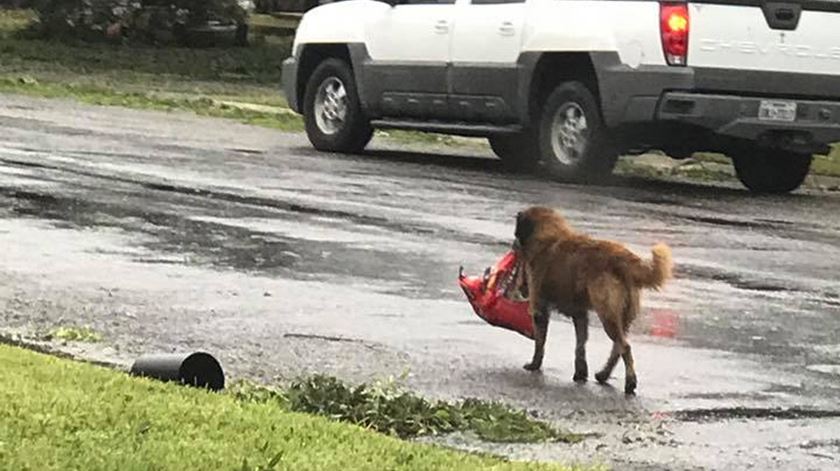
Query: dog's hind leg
[630, 312]
[630, 381]
[581, 321]
[617, 327]
[618, 349]
[608, 299]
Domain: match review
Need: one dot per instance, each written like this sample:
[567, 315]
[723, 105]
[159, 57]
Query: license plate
[777, 111]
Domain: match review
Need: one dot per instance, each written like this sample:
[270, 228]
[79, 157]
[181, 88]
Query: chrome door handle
[442, 27]
[507, 29]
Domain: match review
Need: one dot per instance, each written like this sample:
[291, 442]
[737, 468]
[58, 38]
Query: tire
[772, 171]
[516, 151]
[585, 154]
[332, 112]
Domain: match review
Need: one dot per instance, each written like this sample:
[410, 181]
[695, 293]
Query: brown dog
[573, 273]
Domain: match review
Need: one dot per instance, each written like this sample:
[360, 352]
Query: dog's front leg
[540, 319]
[581, 320]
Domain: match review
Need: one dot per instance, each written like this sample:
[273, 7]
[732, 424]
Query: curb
[46, 348]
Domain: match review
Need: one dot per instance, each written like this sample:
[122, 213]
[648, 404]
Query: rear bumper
[290, 82]
[722, 102]
[817, 122]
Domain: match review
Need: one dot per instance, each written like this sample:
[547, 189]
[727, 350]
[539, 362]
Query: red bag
[492, 295]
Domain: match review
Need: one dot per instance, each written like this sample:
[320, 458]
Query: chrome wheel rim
[331, 106]
[569, 134]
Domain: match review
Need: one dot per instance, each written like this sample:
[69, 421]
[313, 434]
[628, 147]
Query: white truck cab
[568, 85]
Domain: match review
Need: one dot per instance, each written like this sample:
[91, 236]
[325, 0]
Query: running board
[457, 129]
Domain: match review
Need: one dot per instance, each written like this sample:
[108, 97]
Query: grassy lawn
[827, 165]
[212, 82]
[62, 415]
[704, 167]
[823, 164]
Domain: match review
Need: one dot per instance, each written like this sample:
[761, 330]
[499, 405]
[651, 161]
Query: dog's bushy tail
[654, 273]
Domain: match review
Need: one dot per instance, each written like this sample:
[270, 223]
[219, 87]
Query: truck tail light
[674, 27]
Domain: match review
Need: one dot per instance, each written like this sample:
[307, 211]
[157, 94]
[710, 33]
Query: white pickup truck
[568, 85]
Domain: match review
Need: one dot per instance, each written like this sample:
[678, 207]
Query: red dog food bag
[495, 296]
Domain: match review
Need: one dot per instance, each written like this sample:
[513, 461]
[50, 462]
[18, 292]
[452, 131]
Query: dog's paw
[630, 386]
[581, 371]
[532, 366]
[602, 377]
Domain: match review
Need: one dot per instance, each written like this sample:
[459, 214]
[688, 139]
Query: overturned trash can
[198, 369]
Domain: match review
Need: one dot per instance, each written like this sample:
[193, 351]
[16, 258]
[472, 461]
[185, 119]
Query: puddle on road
[736, 280]
[737, 223]
[825, 369]
[752, 413]
[224, 245]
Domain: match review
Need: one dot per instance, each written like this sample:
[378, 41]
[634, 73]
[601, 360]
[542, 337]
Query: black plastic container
[198, 369]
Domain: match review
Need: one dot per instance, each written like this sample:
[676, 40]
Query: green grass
[828, 165]
[825, 165]
[199, 104]
[12, 21]
[716, 168]
[697, 170]
[196, 80]
[268, 24]
[74, 334]
[248, 65]
[712, 158]
[61, 415]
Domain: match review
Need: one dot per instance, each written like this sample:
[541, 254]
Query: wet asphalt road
[171, 232]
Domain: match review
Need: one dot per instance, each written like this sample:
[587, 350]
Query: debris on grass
[707, 169]
[386, 408]
[74, 334]
[827, 165]
[711, 167]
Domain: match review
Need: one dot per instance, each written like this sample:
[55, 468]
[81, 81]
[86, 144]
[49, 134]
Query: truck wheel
[516, 151]
[772, 170]
[574, 144]
[332, 113]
